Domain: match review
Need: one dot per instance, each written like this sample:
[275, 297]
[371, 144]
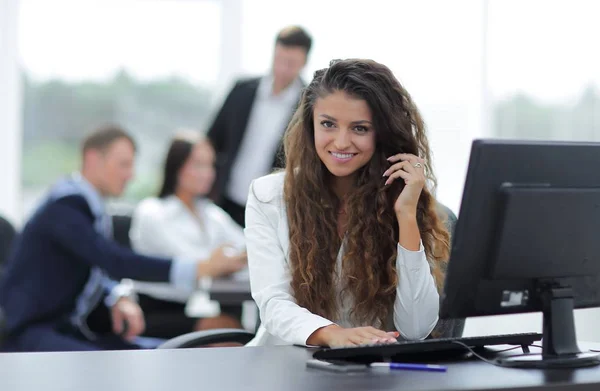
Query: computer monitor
[528, 239]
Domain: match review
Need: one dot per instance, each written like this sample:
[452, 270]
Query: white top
[283, 321]
[167, 228]
[268, 119]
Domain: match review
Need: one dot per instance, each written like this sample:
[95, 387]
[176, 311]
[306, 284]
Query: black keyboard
[428, 349]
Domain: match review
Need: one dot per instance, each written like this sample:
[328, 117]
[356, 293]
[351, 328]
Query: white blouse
[283, 321]
[167, 228]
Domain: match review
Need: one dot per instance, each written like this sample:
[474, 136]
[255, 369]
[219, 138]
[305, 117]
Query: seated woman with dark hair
[345, 247]
[181, 222]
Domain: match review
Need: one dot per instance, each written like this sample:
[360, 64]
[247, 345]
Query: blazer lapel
[243, 108]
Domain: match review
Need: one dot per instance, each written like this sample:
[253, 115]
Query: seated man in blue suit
[59, 291]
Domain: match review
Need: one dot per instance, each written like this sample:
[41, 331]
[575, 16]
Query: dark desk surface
[258, 368]
[230, 291]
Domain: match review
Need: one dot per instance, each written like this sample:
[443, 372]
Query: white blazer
[283, 321]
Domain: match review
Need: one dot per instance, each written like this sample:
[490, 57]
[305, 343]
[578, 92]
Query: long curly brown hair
[369, 263]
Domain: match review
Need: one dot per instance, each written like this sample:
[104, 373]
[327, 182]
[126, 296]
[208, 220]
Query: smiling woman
[357, 229]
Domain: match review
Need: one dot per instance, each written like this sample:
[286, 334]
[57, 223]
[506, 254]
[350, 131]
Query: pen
[410, 367]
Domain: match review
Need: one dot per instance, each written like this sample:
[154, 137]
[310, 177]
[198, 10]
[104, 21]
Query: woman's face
[344, 133]
[198, 172]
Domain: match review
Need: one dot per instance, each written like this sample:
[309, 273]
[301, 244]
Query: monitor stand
[559, 344]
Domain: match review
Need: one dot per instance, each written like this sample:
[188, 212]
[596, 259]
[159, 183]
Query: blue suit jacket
[51, 260]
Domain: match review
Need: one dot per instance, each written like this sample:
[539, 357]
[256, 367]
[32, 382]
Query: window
[543, 70]
[149, 66]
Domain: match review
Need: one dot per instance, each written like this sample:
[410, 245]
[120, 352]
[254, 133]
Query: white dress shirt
[267, 121]
[416, 307]
[166, 227]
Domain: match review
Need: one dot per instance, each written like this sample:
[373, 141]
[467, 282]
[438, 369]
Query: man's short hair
[294, 36]
[103, 137]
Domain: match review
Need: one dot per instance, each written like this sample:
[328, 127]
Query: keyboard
[425, 350]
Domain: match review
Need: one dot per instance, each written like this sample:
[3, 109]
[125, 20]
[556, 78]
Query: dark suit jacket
[51, 260]
[228, 129]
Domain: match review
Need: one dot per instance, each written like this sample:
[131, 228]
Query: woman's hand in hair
[410, 169]
[222, 262]
[336, 336]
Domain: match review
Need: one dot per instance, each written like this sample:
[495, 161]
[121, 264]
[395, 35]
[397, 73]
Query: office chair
[121, 226]
[445, 328]
[199, 339]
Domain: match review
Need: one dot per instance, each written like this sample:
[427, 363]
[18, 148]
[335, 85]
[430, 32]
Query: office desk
[230, 291]
[258, 368]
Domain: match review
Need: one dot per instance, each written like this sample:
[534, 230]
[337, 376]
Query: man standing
[248, 129]
[58, 291]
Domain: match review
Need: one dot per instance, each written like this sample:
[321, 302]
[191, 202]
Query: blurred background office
[476, 68]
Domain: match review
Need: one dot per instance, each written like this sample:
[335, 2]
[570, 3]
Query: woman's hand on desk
[336, 336]
[222, 263]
